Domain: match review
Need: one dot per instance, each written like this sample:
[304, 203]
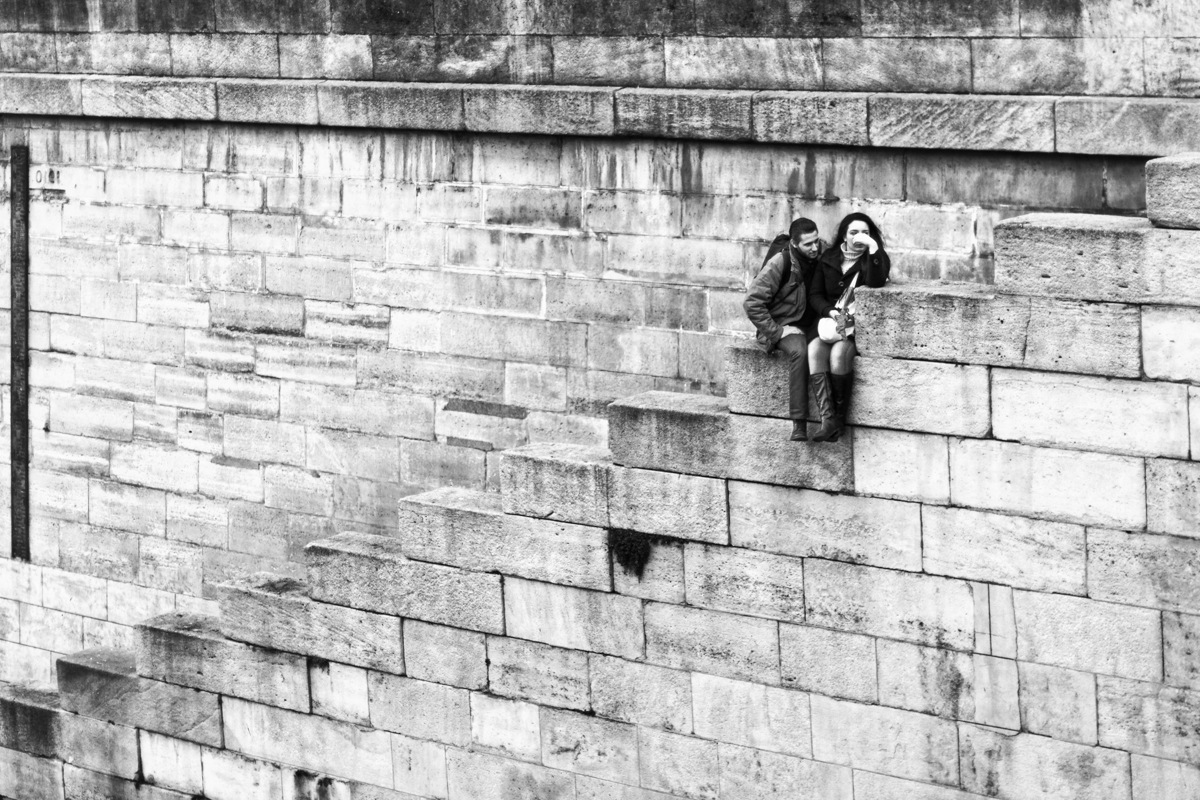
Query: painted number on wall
[45, 176]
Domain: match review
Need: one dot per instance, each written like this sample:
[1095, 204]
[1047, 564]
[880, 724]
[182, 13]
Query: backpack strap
[785, 274]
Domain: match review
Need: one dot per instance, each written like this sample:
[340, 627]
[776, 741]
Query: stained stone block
[683, 113]
[280, 102]
[867, 64]
[556, 481]
[1142, 126]
[150, 98]
[888, 740]
[549, 110]
[189, 650]
[734, 62]
[810, 118]
[1149, 718]
[1173, 191]
[668, 504]
[103, 684]
[962, 122]
[1007, 765]
[41, 94]
[1144, 569]
[391, 105]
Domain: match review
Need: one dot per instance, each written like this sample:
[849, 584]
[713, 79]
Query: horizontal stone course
[1173, 191]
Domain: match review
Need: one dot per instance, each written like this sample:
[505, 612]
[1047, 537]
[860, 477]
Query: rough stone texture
[1017, 551]
[829, 662]
[538, 673]
[32, 94]
[641, 693]
[1034, 766]
[733, 62]
[445, 655]
[683, 114]
[919, 396]
[751, 715]
[1181, 643]
[1173, 191]
[467, 529]
[759, 775]
[906, 466]
[1171, 343]
[757, 383]
[1071, 486]
[744, 582]
[539, 109]
[420, 709]
[810, 118]
[973, 122]
[189, 650]
[556, 481]
[696, 435]
[1135, 126]
[1097, 258]
[277, 613]
[136, 97]
[1059, 703]
[712, 642]
[104, 684]
[668, 504]
[1148, 718]
[282, 102]
[577, 618]
[412, 106]
[1153, 777]
[898, 65]
[1144, 569]
[371, 573]
[589, 746]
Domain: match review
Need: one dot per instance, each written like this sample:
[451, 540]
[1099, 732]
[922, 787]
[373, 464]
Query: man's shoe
[831, 424]
[799, 431]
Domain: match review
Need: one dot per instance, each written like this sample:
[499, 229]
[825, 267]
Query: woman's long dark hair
[856, 216]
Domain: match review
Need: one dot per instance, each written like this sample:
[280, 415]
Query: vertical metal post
[19, 380]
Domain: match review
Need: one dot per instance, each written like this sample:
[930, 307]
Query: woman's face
[855, 228]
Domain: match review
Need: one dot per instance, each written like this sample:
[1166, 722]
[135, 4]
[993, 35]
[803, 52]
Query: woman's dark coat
[828, 282]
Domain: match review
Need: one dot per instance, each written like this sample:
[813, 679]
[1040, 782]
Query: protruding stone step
[371, 573]
[468, 529]
[922, 396]
[1173, 191]
[973, 325]
[696, 435]
[1097, 257]
[32, 722]
[564, 482]
[104, 684]
[270, 611]
[189, 650]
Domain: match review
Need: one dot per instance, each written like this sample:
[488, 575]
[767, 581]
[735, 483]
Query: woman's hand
[866, 240]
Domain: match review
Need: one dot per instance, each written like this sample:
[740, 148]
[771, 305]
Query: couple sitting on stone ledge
[802, 302]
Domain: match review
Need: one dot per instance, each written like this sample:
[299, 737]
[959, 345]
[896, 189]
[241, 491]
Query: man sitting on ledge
[777, 304]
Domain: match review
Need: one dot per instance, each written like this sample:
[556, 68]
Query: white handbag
[840, 326]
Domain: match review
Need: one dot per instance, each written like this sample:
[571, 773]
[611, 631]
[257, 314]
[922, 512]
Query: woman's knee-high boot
[842, 384]
[831, 424]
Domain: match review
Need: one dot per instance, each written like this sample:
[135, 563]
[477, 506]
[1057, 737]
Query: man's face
[809, 244]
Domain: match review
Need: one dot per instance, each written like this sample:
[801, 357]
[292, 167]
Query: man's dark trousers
[796, 349]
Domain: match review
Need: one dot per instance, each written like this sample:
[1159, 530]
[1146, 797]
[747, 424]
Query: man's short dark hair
[800, 227]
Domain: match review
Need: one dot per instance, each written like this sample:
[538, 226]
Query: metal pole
[19, 349]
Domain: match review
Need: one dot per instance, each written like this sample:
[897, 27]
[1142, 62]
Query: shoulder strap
[784, 275]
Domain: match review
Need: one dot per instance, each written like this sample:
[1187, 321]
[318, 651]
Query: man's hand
[788, 330]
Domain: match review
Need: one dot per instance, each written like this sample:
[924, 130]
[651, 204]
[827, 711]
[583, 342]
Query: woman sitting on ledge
[856, 258]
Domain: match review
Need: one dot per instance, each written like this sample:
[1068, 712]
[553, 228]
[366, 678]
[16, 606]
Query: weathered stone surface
[189, 650]
[828, 662]
[1144, 569]
[1171, 342]
[734, 62]
[962, 122]
[608, 60]
[641, 693]
[744, 582]
[716, 643]
[587, 745]
[757, 383]
[683, 113]
[696, 435]
[949, 684]
[810, 118]
[468, 529]
[1140, 126]
[539, 673]
[85, 784]
[277, 613]
[1172, 498]
[150, 99]
[420, 709]
[304, 740]
[1059, 703]
[920, 396]
[752, 715]
[678, 764]
[1088, 635]
[668, 504]
[575, 618]
[1149, 718]
[475, 776]
[24, 776]
[281, 102]
[104, 684]
[1017, 551]
[506, 727]
[868, 64]
[1154, 777]
[549, 110]
[1181, 645]
[1097, 258]
[41, 94]
[1173, 191]
[900, 605]
[445, 655]
[412, 106]
[1054, 65]
[1072, 486]
[888, 740]
[1020, 765]
[800, 522]
[761, 775]
[564, 482]
[903, 465]
[371, 573]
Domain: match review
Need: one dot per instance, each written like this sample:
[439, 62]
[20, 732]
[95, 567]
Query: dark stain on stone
[28, 726]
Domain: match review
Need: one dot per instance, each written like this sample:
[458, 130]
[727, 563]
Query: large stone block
[1154, 777]
[1144, 569]
[887, 740]
[590, 746]
[868, 64]
[755, 774]
[437, 107]
[1181, 642]
[903, 465]
[683, 113]
[1016, 551]
[1173, 497]
[1060, 703]
[962, 122]
[41, 94]
[278, 102]
[810, 118]
[420, 709]
[696, 435]
[476, 776]
[189, 650]
[1138, 126]
[668, 504]
[1173, 191]
[540, 673]
[920, 608]
[150, 98]
[830, 663]
[371, 573]
[1089, 635]
[1066, 485]
[26, 777]
[553, 110]
[1019, 765]
[1149, 718]
[920, 396]
[1171, 342]
[104, 684]
[577, 618]
[468, 529]
[641, 693]
[752, 715]
[744, 582]
[974, 325]
[1097, 257]
[445, 655]
[679, 765]
[949, 683]
[734, 62]
[713, 642]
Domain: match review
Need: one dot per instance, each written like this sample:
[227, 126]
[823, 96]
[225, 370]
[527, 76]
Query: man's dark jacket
[828, 282]
[770, 308]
